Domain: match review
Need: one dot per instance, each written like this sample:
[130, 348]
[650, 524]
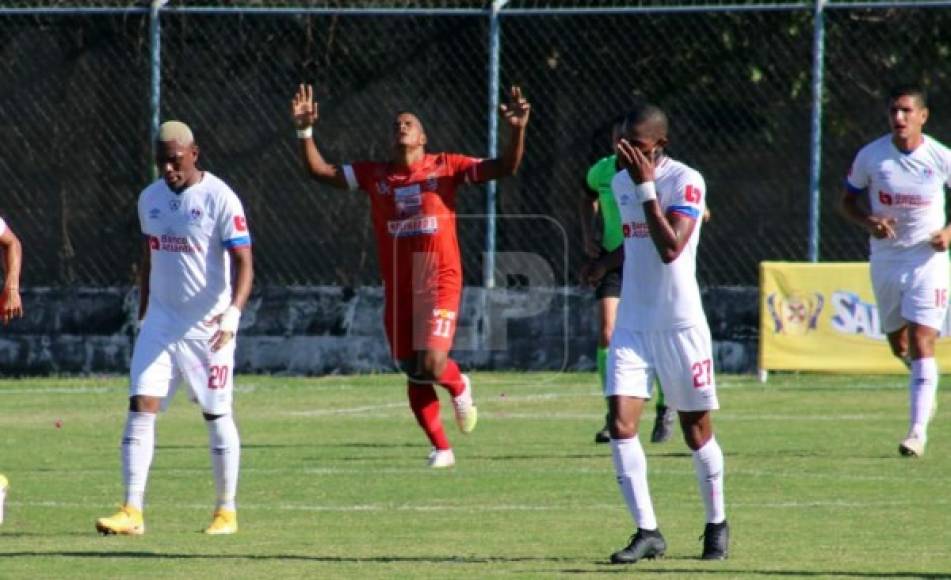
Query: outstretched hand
[517, 110]
[304, 109]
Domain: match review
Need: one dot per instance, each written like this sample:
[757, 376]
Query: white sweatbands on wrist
[305, 133]
[230, 319]
[645, 191]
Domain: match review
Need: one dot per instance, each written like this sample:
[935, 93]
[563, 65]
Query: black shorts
[610, 285]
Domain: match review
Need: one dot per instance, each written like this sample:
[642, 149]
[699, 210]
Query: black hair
[646, 112]
[909, 90]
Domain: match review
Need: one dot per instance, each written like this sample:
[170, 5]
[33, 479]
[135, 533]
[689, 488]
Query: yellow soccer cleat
[127, 521]
[223, 522]
[4, 486]
[467, 415]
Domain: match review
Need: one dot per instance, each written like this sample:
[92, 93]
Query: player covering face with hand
[661, 329]
[413, 203]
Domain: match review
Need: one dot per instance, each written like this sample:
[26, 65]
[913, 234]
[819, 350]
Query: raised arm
[515, 114]
[11, 305]
[305, 112]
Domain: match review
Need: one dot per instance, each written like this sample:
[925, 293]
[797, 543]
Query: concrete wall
[320, 330]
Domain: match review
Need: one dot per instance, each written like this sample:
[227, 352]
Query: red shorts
[420, 321]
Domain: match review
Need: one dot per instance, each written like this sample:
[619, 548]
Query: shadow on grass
[736, 573]
[295, 557]
[599, 567]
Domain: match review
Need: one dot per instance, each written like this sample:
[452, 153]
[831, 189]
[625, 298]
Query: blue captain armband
[237, 242]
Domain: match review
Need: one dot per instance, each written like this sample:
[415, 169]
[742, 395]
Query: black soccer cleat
[603, 436]
[647, 544]
[716, 541]
[663, 424]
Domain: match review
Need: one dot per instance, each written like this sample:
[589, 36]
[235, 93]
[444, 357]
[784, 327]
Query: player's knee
[621, 427]
[144, 404]
[432, 367]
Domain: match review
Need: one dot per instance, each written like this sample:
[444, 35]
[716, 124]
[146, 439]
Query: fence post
[155, 92]
[815, 161]
[488, 272]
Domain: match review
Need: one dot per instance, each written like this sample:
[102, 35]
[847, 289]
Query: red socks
[425, 405]
[451, 379]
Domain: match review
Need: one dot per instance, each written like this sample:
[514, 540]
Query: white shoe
[912, 446]
[440, 458]
[4, 484]
[467, 415]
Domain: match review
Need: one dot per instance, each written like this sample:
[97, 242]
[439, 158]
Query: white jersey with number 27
[189, 234]
[655, 295]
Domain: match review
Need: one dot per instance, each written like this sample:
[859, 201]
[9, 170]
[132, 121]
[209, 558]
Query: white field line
[547, 507]
[606, 471]
[59, 391]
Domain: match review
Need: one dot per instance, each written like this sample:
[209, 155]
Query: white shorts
[159, 366]
[913, 291]
[681, 359]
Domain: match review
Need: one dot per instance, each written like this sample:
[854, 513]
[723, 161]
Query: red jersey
[414, 218]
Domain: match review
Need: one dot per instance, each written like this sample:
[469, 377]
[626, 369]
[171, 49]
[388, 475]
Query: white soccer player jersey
[3, 226]
[658, 296]
[190, 234]
[906, 186]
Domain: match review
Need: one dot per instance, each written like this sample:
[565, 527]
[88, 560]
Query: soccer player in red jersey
[413, 201]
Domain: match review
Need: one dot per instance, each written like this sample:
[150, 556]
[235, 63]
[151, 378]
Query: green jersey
[599, 180]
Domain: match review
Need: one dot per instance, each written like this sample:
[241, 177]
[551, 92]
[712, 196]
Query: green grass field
[334, 484]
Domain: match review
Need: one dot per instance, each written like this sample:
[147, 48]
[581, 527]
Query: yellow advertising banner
[823, 317]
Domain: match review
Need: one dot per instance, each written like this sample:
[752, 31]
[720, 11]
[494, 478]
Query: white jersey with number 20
[189, 234]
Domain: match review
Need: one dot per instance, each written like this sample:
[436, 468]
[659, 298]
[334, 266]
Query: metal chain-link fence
[735, 79]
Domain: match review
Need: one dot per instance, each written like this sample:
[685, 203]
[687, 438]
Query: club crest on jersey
[155, 213]
[382, 187]
[432, 183]
[174, 204]
[194, 215]
[795, 313]
[625, 199]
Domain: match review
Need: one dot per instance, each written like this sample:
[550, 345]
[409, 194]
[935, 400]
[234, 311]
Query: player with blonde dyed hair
[194, 280]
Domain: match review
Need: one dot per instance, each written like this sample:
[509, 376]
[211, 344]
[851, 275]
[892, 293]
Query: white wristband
[305, 133]
[230, 319]
[645, 191]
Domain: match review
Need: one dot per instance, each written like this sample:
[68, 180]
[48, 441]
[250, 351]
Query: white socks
[138, 446]
[708, 465]
[630, 464]
[225, 447]
[921, 390]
